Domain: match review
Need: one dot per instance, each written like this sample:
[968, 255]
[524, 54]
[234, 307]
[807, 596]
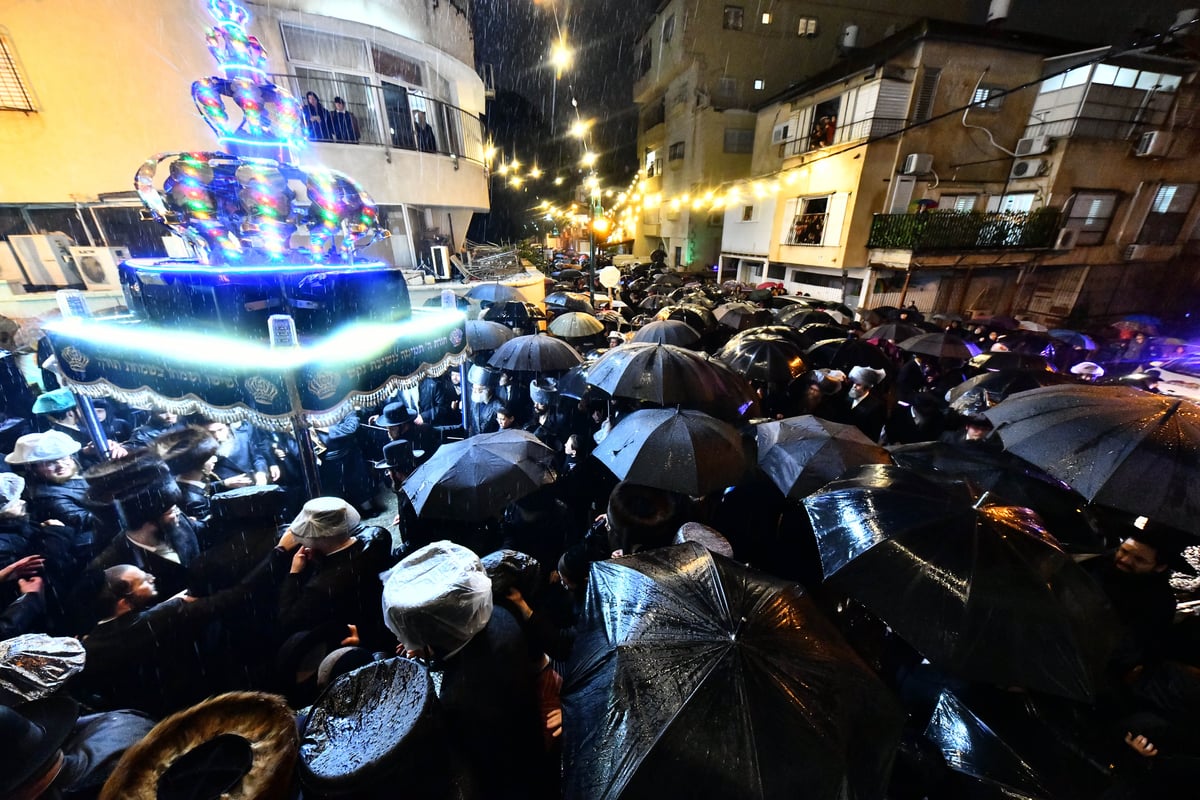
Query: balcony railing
[951, 230]
[385, 115]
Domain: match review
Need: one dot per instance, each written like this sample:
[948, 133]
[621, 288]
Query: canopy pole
[91, 424]
[302, 431]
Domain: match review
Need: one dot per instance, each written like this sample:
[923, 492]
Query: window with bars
[923, 108]
[1091, 213]
[734, 18]
[1168, 211]
[988, 97]
[675, 151]
[808, 223]
[15, 94]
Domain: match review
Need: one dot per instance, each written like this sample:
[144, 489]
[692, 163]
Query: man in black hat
[401, 423]
[190, 454]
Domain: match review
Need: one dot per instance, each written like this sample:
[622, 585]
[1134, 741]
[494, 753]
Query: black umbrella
[740, 316]
[999, 359]
[671, 376]
[698, 317]
[668, 331]
[695, 677]
[772, 332]
[938, 345]
[493, 292]
[568, 274]
[1115, 445]
[893, 331]
[798, 315]
[667, 279]
[474, 479]
[573, 382]
[515, 314]
[802, 454]
[815, 332]
[569, 301]
[1000, 384]
[535, 353]
[687, 452]
[845, 354]
[485, 335]
[684, 295]
[984, 594]
[772, 359]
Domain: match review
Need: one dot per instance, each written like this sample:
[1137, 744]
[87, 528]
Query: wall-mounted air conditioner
[1066, 239]
[1027, 168]
[1032, 146]
[1153, 144]
[779, 134]
[917, 164]
[1135, 252]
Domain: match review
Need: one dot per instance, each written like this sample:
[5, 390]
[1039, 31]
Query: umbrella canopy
[485, 335]
[771, 332]
[1115, 445]
[684, 657]
[798, 315]
[984, 594]
[575, 325]
[568, 274]
[671, 376]
[696, 297]
[680, 451]
[655, 302]
[997, 360]
[815, 332]
[938, 345]
[573, 382]
[740, 316]
[476, 478]
[535, 353]
[569, 301]
[802, 454]
[668, 331]
[1030, 325]
[493, 293]
[1138, 322]
[995, 386]
[772, 359]
[845, 354]
[999, 322]
[698, 317]
[1080, 341]
[668, 279]
[893, 331]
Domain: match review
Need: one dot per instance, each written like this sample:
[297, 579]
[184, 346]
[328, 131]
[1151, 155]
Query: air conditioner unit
[1066, 238]
[1032, 146]
[1027, 168]
[1153, 144]
[1135, 252]
[917, 164]
[98, 265]
[779, 134]
[47, 259]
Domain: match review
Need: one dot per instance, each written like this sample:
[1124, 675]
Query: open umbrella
[796, 316]
[695, 677]
[671, 376]
[667, 279]
[561, 302]
[845, 354]
[998, 359]
[814, 332]
[1030, 325]
[983, 594]
[698, 317]
[575, 325]
[476, 478]
[667, 331]
[771, 332]
[485, 335]
[1075, 339]
[893, 331]
[573, 383]
[938, 345]
[740, 316]
[655, 302]
[1115, 445]
[999, 322]
[772, 359]
[681, 451]
[515, 314]
[568, 274]
[535, 353]
[684, 295]
[1000, 384]
[1138, 322]
[802, 454]
[493, 293]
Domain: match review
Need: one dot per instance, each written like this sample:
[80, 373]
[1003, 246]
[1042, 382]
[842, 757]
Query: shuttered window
[923, 108]
[14, 91]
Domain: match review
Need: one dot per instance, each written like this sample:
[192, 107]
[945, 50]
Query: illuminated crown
[243, 206]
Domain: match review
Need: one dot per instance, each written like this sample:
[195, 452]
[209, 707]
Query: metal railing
[951, 230]
[386, 115]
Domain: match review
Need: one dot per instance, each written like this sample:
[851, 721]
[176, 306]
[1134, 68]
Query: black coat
[171, 578]
[249, 454]
[26, 614]
[65, 502]
[869, 415]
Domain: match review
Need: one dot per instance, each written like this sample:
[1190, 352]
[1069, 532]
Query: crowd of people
[186, 561]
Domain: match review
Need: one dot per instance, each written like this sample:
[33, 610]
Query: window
[734, 18]
[14, 91]
[645, 58]
[926, 91]
[326, 49]
[739, 140]
[962, 203]
[747, 213]
[776, 272]
[1090, 214]
[726, 87]
[766, 18]
[652, 165]
[1168, 211]
[668, 29]
[675, 152]
[825, 121]
[808, 224]
[807, 26]
[987, 97]
[759, 84]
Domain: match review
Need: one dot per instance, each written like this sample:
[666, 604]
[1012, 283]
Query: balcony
[955, 231]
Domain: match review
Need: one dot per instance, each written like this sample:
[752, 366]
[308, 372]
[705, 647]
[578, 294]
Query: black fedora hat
[33, 734]
[395, 414]
[249, 503]
[400, 455]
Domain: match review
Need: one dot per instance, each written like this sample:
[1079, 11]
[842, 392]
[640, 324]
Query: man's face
[339, 106]
[1137, 558]
[169, 517]
[480, 393]
[141, 588]
[220, 431]
[505, 421]
[58, 471]
[167, 418]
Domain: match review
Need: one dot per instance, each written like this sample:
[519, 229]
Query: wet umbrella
[655, 302]
[772, 359]
[474, 479]
[673, 449]
[938, 345]
[575, 325]
[668, 331]
[885, 314]
[569, 301]
[610, 318]
[667, 279]
[740, 316]
[1138, 322]
[515, 314]
[695, 677]
[802, 454]
[1000, 384]
[770, 285]
[670, 376]
[997, 360]
[535, 353]
[845, 354]
[493, 293]
[573, 382]
[685, 295]
[984, 594]
[815, 332]
[1030, 325]
[797, 315]
[772, 332]
[568, 274]
[1115, 445]
[1075, 339]
[998, 322]
[698, 317]
[485, 335]
[893, 331]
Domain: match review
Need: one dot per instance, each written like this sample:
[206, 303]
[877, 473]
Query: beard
[225, 448]
[55, 479]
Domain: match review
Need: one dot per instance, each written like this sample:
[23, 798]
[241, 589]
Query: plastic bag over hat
[35, 665]
[438, 597]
